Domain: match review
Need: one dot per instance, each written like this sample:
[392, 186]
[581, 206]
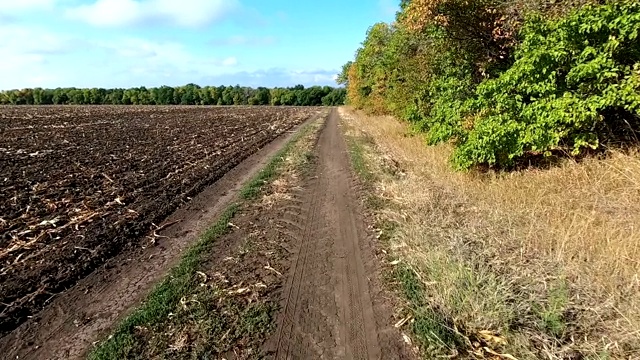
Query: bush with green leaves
[568, 77]
[444, 96]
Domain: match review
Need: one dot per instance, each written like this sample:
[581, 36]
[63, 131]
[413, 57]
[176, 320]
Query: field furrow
[80, 184]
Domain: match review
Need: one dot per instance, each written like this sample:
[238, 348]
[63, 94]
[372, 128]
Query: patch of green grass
[374, 202]
[433, 331]
[258, 318]
[387, 229]
[410, 285]
[551, 313]
[247, 246]
[305, 166]
[604, 355]
[358, 161]
[252, 189]
[430, 327]
[163, 299]
[162, 306]
[358, 147]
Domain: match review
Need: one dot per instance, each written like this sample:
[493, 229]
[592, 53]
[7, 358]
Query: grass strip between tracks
[179, 284]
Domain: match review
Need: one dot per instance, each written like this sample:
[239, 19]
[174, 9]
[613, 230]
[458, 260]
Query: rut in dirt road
[327, 308]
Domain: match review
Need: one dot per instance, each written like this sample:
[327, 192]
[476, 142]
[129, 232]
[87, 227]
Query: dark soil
[78, 185]
[232, 308]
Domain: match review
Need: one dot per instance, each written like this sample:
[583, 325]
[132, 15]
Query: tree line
[505, 81]
[190, 94]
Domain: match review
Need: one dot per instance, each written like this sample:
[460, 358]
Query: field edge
[165, 296]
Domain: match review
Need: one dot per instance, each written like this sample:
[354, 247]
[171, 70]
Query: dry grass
[294, 165]
[548, 259]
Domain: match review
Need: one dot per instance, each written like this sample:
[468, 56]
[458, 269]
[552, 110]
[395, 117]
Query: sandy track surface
[328, 311]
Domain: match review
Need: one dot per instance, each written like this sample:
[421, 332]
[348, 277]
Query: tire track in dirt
[327, 307]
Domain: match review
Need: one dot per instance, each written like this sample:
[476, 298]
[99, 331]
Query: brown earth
[295, 277]
[332, 304]
[311, 254]
[55, 162]
[80, 184]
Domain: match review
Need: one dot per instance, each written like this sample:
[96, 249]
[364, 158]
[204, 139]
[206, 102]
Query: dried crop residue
[227, 301]
[297, 270]
[78, 184]
[534, 264]
[77, 316]
[292, 275]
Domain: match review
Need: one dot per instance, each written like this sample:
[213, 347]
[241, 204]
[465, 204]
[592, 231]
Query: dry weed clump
[295, 162]
[546, 259]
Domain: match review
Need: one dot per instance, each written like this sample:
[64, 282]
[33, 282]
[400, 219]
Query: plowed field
[80, 184]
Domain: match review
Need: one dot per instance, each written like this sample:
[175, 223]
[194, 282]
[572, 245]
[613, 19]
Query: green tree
[343, 77]
[190, 94]
[335, 98]
[262, 96]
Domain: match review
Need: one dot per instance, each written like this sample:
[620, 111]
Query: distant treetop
[190, 94]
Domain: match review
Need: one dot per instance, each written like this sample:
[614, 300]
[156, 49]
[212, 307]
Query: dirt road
[332, 307]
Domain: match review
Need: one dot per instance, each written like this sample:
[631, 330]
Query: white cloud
[135, 62]
[161, 54]
[241, 40]
[17, 40]
[39, 57]
[230, 61]
[186, 13]
[22, 40]
[13, 6]
[26, 51]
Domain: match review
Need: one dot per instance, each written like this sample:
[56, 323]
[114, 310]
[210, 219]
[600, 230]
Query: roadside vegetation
[530, 249]
[190, 94]
[213, 304]
[507, 83]
[535, 264]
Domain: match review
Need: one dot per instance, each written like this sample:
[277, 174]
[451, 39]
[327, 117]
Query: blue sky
[125, 43]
